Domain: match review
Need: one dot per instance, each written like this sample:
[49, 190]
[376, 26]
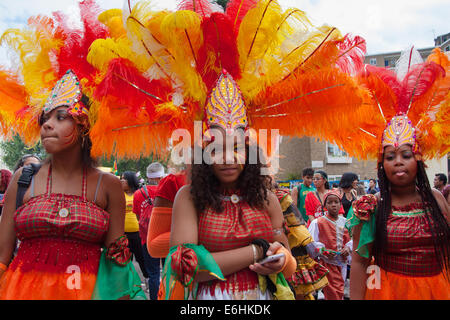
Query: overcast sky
[387, 25]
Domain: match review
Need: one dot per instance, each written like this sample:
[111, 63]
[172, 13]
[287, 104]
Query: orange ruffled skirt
[393, 286]
[37, 285]
[51, 269]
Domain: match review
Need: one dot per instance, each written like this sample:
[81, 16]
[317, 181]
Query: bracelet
[3, 267]
[254, 253]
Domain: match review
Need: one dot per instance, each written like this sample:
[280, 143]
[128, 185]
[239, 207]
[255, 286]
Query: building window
[336, 155]
[447, 48]
[386, 62]
[373, 61]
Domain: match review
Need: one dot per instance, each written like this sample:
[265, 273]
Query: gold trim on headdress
[225, 107]
[67, 92]
[398, 132]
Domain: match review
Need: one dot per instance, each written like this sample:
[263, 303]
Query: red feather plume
[219, 50]
[352, 53]
[127, 85]
[202, 7]
[77, 42]
[237, 9]
[417, 82]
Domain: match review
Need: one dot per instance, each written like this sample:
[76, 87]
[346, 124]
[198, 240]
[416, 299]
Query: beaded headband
[67, 92]
[225, 107]
[398, 132]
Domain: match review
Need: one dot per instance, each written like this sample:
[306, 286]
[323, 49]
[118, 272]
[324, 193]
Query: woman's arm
[115, 208]
[294, 195]
[185, 230]
[277, 219]
[358, 270]
[7, 227]
[443, 205]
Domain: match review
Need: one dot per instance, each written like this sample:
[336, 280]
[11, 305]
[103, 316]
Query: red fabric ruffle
[55, 255]
[119, 252]
[305, 275]
[184, 263]
[241, 281]
[409, 207]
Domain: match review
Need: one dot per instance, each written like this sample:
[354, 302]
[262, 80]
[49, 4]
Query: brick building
[389, 59]
[298, 153]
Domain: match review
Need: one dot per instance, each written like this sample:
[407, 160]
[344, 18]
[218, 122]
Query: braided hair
[438, 224]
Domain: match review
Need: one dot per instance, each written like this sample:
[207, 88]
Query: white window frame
[373, 61]
[343, 158]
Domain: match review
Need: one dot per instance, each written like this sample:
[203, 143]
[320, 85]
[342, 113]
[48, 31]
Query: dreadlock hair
[206, 188]
[438, 224]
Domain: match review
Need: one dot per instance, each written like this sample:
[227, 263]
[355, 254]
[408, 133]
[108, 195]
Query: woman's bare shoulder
[184, 194]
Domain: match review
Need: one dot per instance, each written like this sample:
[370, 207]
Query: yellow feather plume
[102, 51]
[184, 36]
[113, 20]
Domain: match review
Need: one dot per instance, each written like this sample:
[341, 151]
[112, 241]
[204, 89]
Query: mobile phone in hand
[271, 258]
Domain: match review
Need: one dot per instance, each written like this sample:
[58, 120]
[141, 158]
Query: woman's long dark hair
[347, 180]
[438, 224]
[132, 180]
[86, 142]
[253, 187]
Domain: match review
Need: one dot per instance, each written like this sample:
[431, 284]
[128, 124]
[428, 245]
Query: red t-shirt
[169, 186]
[142, 207]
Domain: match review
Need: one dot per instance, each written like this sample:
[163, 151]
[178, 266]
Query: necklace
[234, 198]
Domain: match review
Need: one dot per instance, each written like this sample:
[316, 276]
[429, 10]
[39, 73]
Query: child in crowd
[299, 193]
[334, 245]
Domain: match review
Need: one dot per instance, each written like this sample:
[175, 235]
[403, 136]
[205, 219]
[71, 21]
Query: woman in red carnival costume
[70, 209]
[401, 235]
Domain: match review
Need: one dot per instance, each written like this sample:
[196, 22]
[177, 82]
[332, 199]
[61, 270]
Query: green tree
[14, 149]
[139, 165]
[294, 176]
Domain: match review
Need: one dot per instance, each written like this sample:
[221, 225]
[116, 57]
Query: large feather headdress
[159, 68]
[150, 72]
[409, 105]
[50, 69]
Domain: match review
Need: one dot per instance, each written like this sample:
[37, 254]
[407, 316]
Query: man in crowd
[299, 193]
[372, 187]
[440, 181]
[143, 201]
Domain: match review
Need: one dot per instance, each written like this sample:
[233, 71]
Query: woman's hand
[270, 267]
[345, 252]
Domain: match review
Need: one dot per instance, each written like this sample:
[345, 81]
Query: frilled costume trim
[363, 212]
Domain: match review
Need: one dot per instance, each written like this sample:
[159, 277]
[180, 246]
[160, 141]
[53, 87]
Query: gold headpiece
[225, 107]
[398, 132]
[67, 92]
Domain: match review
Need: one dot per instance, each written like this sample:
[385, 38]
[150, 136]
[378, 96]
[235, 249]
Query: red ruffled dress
[408, 269]
[60, 245]
[233, 228]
